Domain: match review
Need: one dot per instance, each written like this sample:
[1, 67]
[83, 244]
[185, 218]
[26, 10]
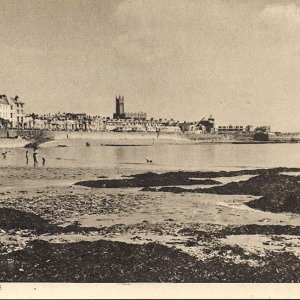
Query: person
[35, 159]
[44, 160]
[26, 157]
[4, 154]
[158, 132]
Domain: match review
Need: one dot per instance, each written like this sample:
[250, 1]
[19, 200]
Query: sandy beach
[13, 143]
[205, 227]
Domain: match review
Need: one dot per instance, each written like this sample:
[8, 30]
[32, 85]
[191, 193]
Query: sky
[236, 60]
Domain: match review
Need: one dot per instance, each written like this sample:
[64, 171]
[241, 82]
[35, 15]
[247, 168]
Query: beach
[8, 143]
[149, 142]
[211, 231]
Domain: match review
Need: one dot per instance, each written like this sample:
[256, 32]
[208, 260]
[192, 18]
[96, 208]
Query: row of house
[84, 122]
[12, 115]
[207, 126]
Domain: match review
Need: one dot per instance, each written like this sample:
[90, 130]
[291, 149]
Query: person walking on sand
[44, 160]
[27, 158]
[4, 154]
[35, 158]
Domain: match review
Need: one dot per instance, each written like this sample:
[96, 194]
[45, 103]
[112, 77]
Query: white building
[16, 115]
[170, 129]
[4, 109]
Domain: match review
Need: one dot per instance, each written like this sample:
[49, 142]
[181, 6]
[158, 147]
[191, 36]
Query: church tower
[119, 107]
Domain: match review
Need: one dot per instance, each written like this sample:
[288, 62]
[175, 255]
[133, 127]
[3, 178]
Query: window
[11, 115]
[11, 107]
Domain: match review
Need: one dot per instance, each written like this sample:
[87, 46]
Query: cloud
[282, 14]
[202, 52]
[148, 32]
[236, 59]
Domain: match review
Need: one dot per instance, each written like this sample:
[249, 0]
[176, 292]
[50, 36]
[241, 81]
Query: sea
[165, 157]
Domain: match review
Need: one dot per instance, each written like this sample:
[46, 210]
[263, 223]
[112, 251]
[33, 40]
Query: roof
[3, 100]
[16, 101]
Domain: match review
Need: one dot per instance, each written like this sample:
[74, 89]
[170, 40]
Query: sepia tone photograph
[149, 142]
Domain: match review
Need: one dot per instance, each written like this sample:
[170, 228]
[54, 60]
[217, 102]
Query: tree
[4, 123]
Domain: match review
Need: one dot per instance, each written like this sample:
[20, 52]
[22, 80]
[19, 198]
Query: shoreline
[213, 233]
[9, 143]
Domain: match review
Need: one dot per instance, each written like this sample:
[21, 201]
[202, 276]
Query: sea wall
[60, 135]
[30, 134]
[37, 137]
[219, 138]
[41, 136]
[291, 137]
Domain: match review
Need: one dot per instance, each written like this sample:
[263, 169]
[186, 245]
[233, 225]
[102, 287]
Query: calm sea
[164, 156]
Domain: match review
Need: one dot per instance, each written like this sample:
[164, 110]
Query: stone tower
[119, 107]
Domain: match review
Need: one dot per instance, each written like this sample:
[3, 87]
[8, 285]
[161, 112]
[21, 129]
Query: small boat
[62, 146]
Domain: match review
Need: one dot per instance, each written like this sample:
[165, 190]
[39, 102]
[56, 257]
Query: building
[207, 125]
[265, 129]
[121, 114]
[169, 129]
[230, 129]
[249, 128]
[17, 114]
[119, 107]
[4, 112]
[12, 110]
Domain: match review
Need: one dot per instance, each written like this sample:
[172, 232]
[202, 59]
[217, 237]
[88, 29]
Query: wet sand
[198, 228]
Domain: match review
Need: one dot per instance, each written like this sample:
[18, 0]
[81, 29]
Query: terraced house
[12, 112]
[4, 111]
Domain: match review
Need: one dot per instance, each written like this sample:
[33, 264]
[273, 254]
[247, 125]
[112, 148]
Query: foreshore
[13, 142]
[55, 231]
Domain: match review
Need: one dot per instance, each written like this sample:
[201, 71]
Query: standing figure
[35, 158]
[26, 155]
[44, 160]
[4, 154]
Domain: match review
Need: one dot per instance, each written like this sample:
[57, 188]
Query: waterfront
[149, 142]
[205, 227]
[105, 155]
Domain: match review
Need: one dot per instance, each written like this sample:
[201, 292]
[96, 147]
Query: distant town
[13, 116]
